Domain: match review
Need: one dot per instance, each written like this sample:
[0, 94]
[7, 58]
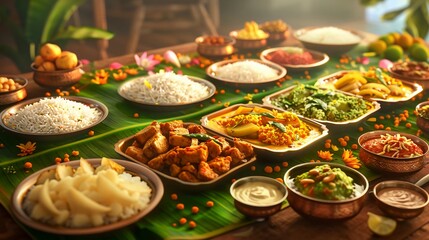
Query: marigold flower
[350, 160]
[120, 75]
[26, 149]
[325, 155]
[131, 71]
[101, 77]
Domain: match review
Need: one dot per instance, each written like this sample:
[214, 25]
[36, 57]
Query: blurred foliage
[416, 16]
[41, 21]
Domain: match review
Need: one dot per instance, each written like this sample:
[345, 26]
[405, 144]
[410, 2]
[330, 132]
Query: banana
[376, 86]
[344, 80]
[351, 87]
[372, 93]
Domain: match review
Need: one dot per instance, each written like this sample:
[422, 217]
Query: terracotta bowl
[16, 95]
[331, 49]
[422, 121]
[384, 163]
[256, 209]
[400, 212]
[215, 50]
[320, 209]
[249, 44]
[58, 78]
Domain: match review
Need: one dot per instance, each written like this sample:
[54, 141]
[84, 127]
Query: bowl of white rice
[98, 199]
[165, 90]
[331, 40]
[246, 72]
[50, 118]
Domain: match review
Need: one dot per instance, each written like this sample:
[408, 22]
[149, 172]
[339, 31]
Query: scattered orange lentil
[66, 159]
[174, 224]
[91, 133]
[210, 204]
[28, 165]
[341, 139]
[47, 94]
[376, 126]
[354, 146]
[328, 140]
[346, 138]
[57, 90]
[75, 153]
[77, 90]
[388, 116]
[381, 117]
[136, 115]
[192, 224]
[327, 145]
[388, 128]
[285, 164]
[237, 90]
[182, 220]
[66, 155]
[253, 168]
[233, 180]
[343, 143]
[381, 126]
[1, 145]
[195, 209]
[213, 100]
[174, 197]
[360, 129]
[268, 169]
[408, 125]
[58, 160]
[180, 206]
[277, 169]
[222, 91]
[255, 90]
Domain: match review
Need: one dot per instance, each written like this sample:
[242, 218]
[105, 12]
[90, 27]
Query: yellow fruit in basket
[38, 60]
[405, 40]
[394, 52]
[50, 52]
[378, 46]
[381, 225]
[388, 39]
[395, 36]
[66, 60]
[46, 66]
[419, 52]
[251, 31]
[419, 40]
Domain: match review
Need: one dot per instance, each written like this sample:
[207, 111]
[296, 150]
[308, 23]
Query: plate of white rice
[246, 72]
[166, 90]
[46, 118]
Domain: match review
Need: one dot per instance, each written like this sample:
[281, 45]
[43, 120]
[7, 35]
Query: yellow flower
[350, 160]
[100, 77]
[26, 149]
[120, 75]
[132, 71]
[325, 155]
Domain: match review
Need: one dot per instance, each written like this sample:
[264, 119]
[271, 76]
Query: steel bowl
[332, 49]
[58, 78]
[258, 210]
[400, 212]
[16, 95]
[215, 51]
[327, 210]
[384, 163]
[421, 120]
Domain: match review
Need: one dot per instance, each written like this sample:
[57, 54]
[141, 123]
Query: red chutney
[396, 146]
[284, 57]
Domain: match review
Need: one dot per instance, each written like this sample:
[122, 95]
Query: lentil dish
[268, 127]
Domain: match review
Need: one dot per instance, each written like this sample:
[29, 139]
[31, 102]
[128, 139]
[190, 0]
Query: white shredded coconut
[165, 88]
[329, 35]
[246, 72]
[53, 115]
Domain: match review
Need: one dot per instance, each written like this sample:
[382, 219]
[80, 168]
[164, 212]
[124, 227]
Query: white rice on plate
[329, 35]
[247, 71]
[165, 88]
[53, 116]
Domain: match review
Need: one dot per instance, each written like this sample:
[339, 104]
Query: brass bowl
[249, 44]
[14, 95]
[320, 209]
[331, 49]
[422, 122]
[252, 208]
[58, 78]
[218, 50]
[396, 211]
[391, 164]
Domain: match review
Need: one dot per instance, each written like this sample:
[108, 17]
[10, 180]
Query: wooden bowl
[58, 78]
[215, 50]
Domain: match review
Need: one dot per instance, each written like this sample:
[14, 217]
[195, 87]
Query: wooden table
[286, 223]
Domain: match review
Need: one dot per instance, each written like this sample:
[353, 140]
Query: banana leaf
[121, 123]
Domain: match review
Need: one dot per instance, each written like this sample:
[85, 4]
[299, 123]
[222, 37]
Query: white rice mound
[246, 72]
[329, 35]
[165, 88]
[53, 116]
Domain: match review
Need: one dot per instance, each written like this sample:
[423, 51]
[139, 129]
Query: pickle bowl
[390, 164]
[253, 196]
[321, 209]
[422, 116]
[412, 199]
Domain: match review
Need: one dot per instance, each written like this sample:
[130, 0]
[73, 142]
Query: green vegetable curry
[322, 104]
[324, 182]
